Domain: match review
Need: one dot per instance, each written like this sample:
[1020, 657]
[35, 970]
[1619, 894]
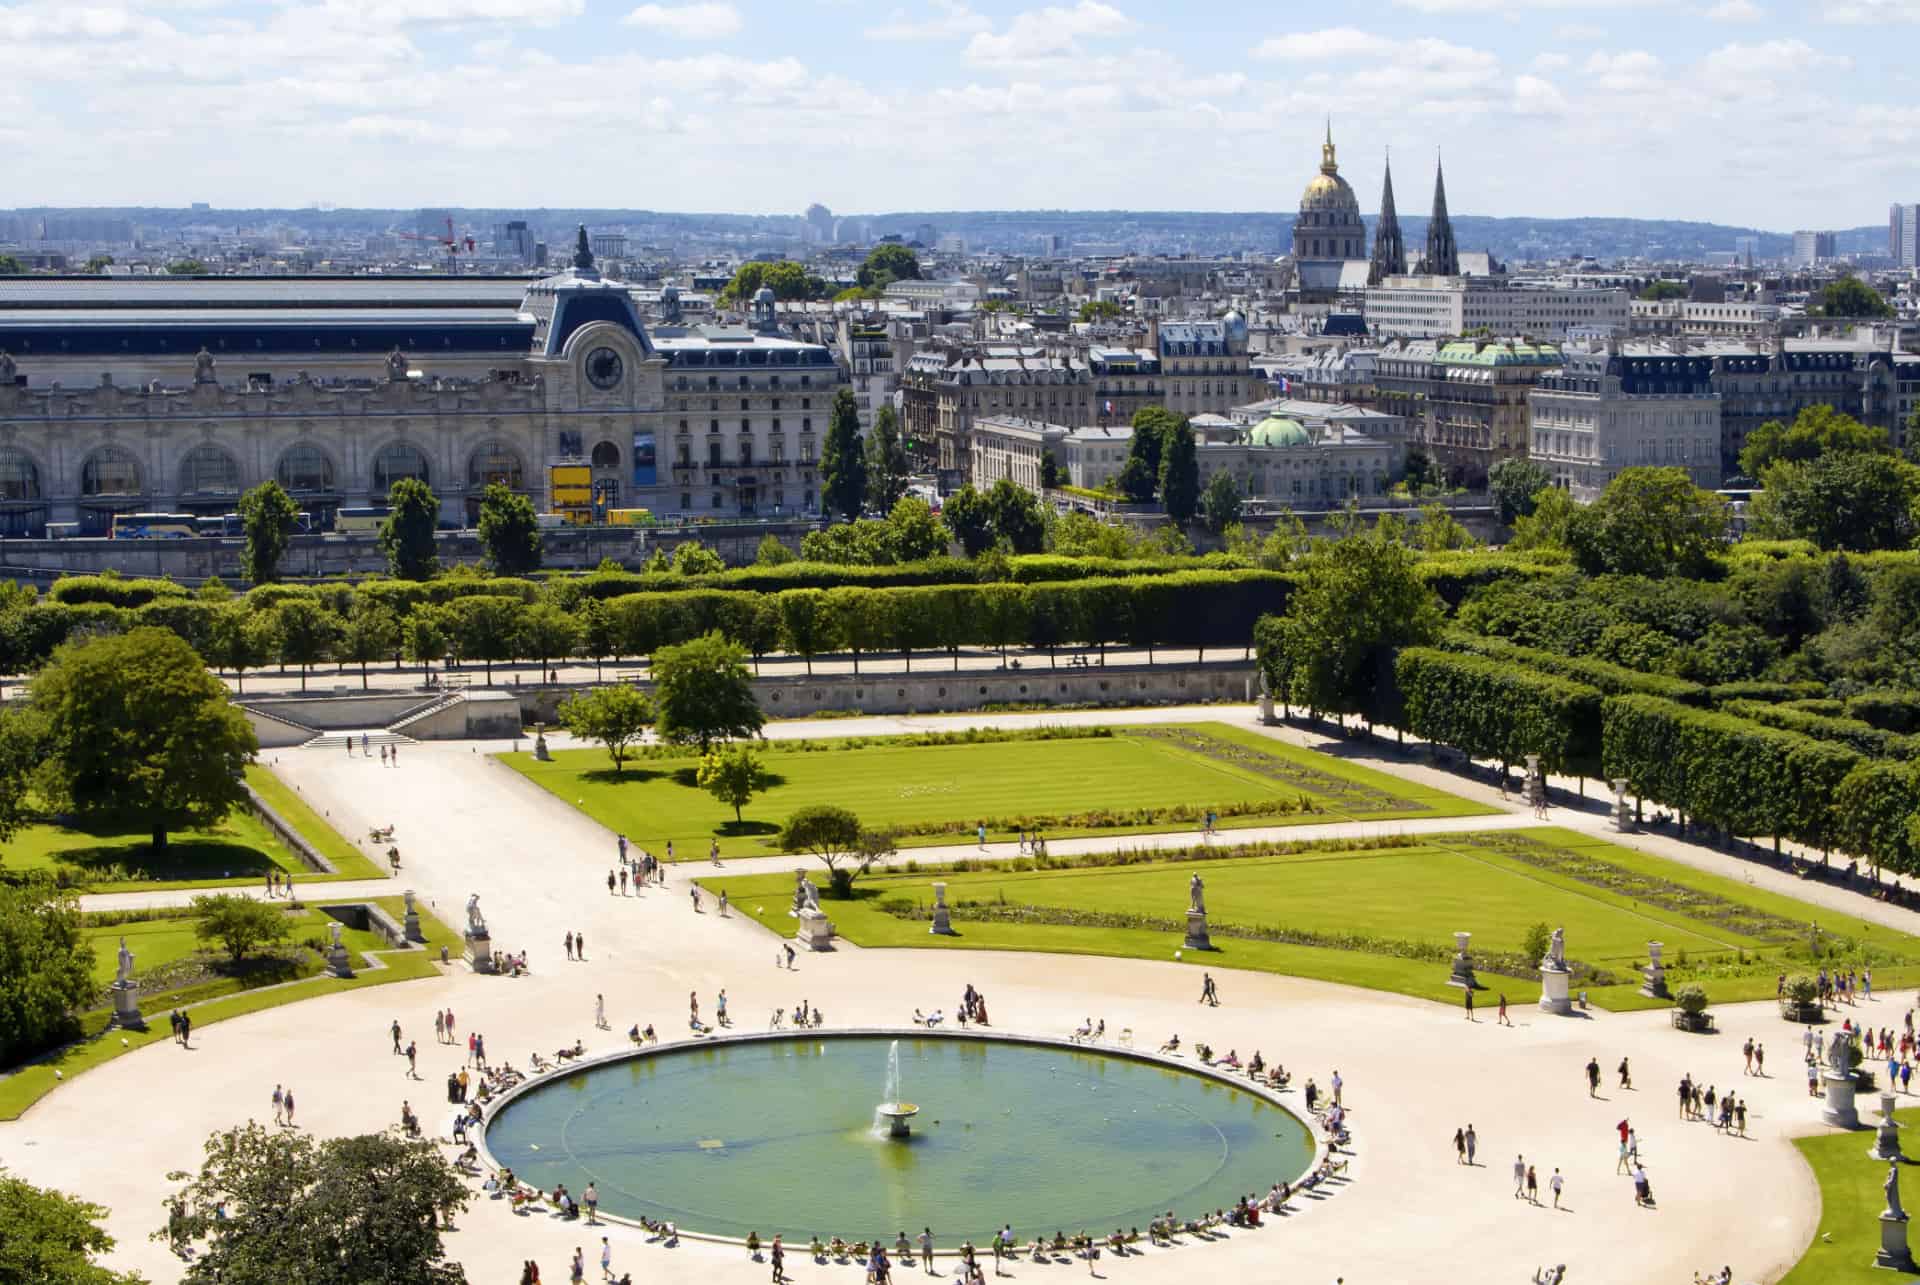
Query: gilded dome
[1328, 192]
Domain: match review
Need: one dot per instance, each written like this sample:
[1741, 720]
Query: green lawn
[1850, 1201]
[1345, 913]
[21, 1089]
[944, 791]
[237, 852]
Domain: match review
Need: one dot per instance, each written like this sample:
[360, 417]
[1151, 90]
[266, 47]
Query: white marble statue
[125, 973]
[1197, 895]
[1557, 951]
[807, 896]
[476, 925]
[1892, 1188]
[1838, 1059]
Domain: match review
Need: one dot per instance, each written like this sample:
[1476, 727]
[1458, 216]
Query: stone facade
[1607, 409]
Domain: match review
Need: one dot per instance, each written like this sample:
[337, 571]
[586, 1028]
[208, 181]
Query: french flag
[1282, 382]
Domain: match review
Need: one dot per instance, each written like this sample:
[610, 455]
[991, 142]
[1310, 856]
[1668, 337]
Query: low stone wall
[345, 711]
[365, 916]
[295, 842]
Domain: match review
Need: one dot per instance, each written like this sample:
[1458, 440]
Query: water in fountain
[882, 1123]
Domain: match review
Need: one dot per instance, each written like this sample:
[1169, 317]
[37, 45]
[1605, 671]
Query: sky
[1779, 114]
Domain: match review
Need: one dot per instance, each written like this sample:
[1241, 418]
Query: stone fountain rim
[1322, 1141]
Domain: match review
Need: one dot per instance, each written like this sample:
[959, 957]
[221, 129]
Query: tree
[406, 536]
[1649, 522]
[371, 632]
[843, 466]
[886, 462]
[1099, 310]
[304, 634]
[98, 264]
[834, 835]
[270, 1206]
[1180, 474]
[704, 692]
[733, 776]
[139, 732]
[788, 280]
[1136, 480]
[1421, 474]
[545, 632]
[968, 516]
[10, 266]
[1152, 425]
[1439, 531]
[485, 627]
[599, 637]
[1357, 600]
[423, 637]
[1220, 502]
[52, 1238]
[914, 534]
[805, 626]
[46, 972]
[1548, 525]
[1050, 475]
[1815, 431]
[238, 638]
[241, 925]
[1513, 482]
[693, 558]
[1660, 290]
[187, 268]
[1848, 501]
[1851, 297]
[509, 531]
[886, 264]
[616, 717]
[772, 553]
[268, 515]
[1016, 517]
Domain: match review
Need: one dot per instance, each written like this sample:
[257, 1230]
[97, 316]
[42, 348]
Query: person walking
[439, 1026]
[580, 946]
[779, 1256]
[1747, 1050]
[600, 1011]
[1459, 1146]
[1469, 994]
[723, 903]
[450, 1037]
[926, 1250]
[1555, 1183]
[606, 1259]
[1473, 1143]
[413, 1055]
[578, 1268]
[720, 1007]
[1533, 1186]
[623, 881]
[568, 942]
[287, 1102]
[1503, 1019]
[1593, 1077]
[1760, 1060]
[1209, 993]
[1335, 1084]
[610, 883]
[279, 1108]
[1519, 1177]
[713, 851]
[1626, 1076]
[982, 831]
[788, 947]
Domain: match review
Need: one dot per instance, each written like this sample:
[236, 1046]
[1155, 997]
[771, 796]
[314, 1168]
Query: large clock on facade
[603, 367]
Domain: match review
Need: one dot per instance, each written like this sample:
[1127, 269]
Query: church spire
[1327, 164]
[1389, 252]
[1443, 256]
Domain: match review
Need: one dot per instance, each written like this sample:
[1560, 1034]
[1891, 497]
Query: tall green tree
[370, 632]
[1851, 297]
[423, 636]
[704, 693]
[771, 552]
[547, 632]
[886, 264]
[46, 970]
[509, 531]
[887, 468]
[304, 634]
[271, 1206]
[1140, 477]
[406, 536]
[485, 627]
[789, 281]
[599, 638]
[138, 732]
[806, 629]
[1513, 482]
[693, 558]
[914, 534]
[1016, 517]
[843, 465]
[52, 1238]
[268, 515]
[617, 717]
[1051, 474]
[10, 266]
[1220, 502]
[1815, 431]
[1852, 501]
[1180, 473]
[1649, 522]
[969, 517]
[238, 924]
[733, 776]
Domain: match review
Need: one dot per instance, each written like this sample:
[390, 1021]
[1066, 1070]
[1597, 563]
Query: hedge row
[1036, 568]
[1454, 575]
[1610, 679]
[1889, 709]
[1496, 710]
[1772, 693]
[1856, 735]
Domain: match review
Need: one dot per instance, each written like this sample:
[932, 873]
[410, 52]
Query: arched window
[19, 476]
[606, 455]
[398, 460]
[305, 469]
[208, 470]
[496, 462]
[111, 470]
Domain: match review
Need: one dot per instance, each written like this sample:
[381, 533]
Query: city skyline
[945, 104]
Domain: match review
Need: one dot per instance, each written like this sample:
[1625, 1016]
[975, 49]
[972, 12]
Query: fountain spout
[890, 1117]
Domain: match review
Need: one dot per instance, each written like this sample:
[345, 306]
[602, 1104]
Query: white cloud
[1736, 11]
[1580, 32]
[1551, 62]
[1533, 96]
[1328, 44]
[1623, 73]
[536, 13]
[1041, 36]
[1865, 11]
[703, 21]
[950, 20]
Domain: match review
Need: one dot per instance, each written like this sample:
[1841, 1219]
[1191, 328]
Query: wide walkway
[1413, 1071]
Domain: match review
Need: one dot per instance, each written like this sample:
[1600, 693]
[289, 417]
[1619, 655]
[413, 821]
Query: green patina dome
[1277, 430]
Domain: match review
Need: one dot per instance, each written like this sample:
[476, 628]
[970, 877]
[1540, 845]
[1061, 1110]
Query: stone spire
[1389, 252]
[1443, 257]
[582, 252]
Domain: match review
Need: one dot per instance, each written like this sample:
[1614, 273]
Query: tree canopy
[406, 535]
[241, 925]
[46, 971]
[509, 531]
[1099, 310]
[1852, 297]
[51, 1238]
[1853, 501]
[733, 776]
[886, 264]
[1180, 473]
[1659, 290]
[1220, 502]
[969, 517]
[789, 281]
[886, 464]
[1817, 430]
[1649, 522]
[1513, 483]
[616, 717]
[138, 732]
[843, 464]
[703, 692]
[268, 515]
[271, 1206]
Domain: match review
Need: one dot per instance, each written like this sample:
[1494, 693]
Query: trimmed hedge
[1877, 806]
[1773, 693]
[1611, 679]
[1494, 710]
[1889, 709]
[114, 591]
[1853, 733]
[1454, 575]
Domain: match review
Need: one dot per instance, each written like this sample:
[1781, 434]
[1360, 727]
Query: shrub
[1691, 999]
[1539, 937]
[1802, 989]
[112, 590]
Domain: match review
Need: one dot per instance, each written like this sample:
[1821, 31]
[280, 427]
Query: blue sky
[1776, 113]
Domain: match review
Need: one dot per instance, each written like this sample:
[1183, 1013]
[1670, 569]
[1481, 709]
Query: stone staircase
[421, 715]
[372, 736]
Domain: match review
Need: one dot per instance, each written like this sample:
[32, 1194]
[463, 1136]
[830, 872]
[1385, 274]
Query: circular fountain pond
[782, 1134]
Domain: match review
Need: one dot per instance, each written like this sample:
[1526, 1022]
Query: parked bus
[153, 526]
[361, 519]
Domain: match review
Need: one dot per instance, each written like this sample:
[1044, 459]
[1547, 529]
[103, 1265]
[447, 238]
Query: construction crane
[452, 240]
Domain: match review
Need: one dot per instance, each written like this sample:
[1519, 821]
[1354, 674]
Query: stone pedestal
[815, 931]
[1554, 987]
[1622, 810]
[126, 1006]
[942, 925]
[1838, 1110]
[540, 753]
[1197, 938]
[1893, 1243]
[1536, 783]
[1653, 978]
[480, 951]
[1462, 975]
[1886, 1140]
[412, 926]
[339, 963]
